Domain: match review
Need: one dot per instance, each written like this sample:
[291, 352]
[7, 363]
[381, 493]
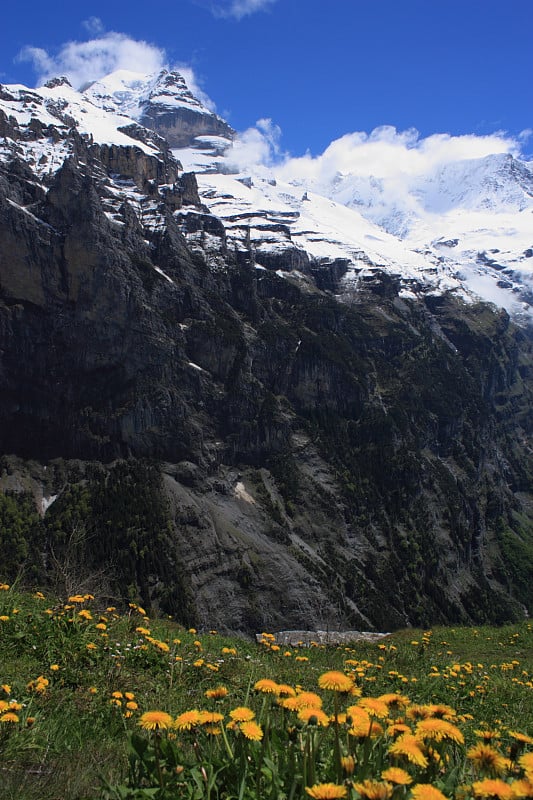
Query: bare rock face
[175, 114]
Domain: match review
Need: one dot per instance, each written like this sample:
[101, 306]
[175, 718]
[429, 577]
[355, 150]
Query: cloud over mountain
[83, 62]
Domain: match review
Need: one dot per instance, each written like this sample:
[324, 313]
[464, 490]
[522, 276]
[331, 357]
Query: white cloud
[82, 62]
[257, 146]
[94, 26]
[240, 8]
[387, 154]
[397, 176]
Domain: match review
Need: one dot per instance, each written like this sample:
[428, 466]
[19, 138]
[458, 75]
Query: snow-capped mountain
[465, 227]
[288, 346]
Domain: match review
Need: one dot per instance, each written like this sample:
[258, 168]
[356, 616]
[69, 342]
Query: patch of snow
[240, 492]
[46, 502]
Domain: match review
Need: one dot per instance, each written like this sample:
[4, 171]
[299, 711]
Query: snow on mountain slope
[129, 92]
[38, 123]
[465, 225]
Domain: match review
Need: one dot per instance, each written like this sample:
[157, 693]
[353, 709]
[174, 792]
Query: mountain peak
[161, 101]
[54, 82]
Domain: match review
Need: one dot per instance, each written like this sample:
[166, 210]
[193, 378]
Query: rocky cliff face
[232, 441]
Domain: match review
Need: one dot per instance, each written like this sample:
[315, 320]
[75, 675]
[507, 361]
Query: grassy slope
[78, 732]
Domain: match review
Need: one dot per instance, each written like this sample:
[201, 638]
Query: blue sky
[317, 69]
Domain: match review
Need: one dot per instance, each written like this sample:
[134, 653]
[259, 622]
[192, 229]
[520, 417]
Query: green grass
[60, 669]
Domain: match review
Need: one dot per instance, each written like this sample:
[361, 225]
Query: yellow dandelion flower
[4, 705]
[313, 716]
[520, 737]
[14, 706]
[266, 685]
[210, 717]
[363, 730]
[129, 695]
[374, 790]
[101, 626]
[522, 788]
[307, 699]
[441, 710]
[419, 711]
[132, 705]
[91, 646]
[76, 598]
[340, 718]
[326, 791]
[242, 714]
[397, 775]
[488, 735]
[492, 787]
[398, 728]
[336, 681]
[39, 685]
[425, 791]
[187, 720]
[117, 695]
[6, 688]
[251, 730]
[374, 707]
[54, 667]
[348, 764]
[155, 721]
[284, 690]
[438, 729]
[408, 746]
[290, 703]
[218, 693]
[93, 690]
[487, 759]
[9, 717]
[526, 762]
[394, 700]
